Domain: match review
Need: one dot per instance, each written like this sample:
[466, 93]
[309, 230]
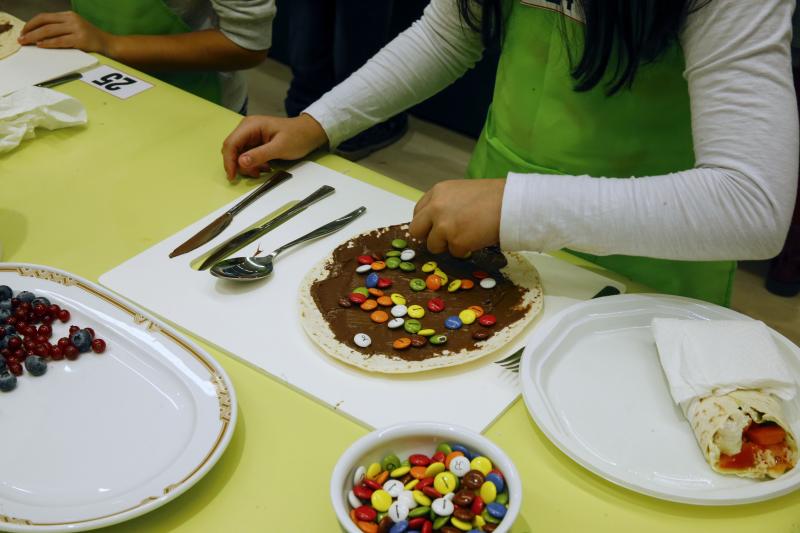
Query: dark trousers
[328, 40]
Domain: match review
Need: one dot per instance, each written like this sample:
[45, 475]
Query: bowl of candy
[425, 477]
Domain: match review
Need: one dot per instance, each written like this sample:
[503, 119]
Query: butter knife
[222, 222]
[246, 237]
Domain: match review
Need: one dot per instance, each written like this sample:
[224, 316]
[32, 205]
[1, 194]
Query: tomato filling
[758, 438]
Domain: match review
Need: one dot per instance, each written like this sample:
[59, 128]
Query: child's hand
[65, 30]
[259, 139]
[459, 216]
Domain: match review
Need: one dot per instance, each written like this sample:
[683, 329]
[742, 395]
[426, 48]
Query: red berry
[63, 342]
[14, 343]
[53, 310]
[47, 320]
[63, 315]
[45, 331]
[18, 355]
[15, 302]
[91, 332]
[5, 352]
[56, 353]
[98, 346]
[73, 329]
[20, 314]
[41, 349]
[15, 367]
[28, 344]
[40, 339]
[71, 352]
[25, 306]
[11, 321]
[39, 309]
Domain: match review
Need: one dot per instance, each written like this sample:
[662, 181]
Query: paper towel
[25, 110]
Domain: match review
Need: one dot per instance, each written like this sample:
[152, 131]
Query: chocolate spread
[5, 27]
[505, 300]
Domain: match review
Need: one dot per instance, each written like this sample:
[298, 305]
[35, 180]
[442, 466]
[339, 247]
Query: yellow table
[86, 199]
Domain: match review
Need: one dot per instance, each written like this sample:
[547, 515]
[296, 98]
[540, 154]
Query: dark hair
[622, 33]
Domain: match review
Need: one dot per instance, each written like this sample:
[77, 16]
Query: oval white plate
[108, 437]
[593, 383]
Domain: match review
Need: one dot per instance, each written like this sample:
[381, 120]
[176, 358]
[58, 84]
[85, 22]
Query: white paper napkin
[25, 110]
[713, 357]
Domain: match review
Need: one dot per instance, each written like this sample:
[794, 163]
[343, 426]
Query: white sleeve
[737, 201]
[430, 55]
[247, 23]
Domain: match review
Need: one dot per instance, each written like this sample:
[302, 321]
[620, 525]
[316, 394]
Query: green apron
[149, 17]
[538, 123]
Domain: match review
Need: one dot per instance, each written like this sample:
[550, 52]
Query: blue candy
[496, 510]
[371, 281]
[452, 322]
[460, 448]
[399, 527]
[497, 480]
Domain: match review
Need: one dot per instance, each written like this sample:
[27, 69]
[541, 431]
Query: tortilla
[720, 425]
[518, 270]
[10, 30]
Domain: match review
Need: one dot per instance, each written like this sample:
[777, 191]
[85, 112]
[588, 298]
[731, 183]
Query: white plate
[592, 381]
[108, 437]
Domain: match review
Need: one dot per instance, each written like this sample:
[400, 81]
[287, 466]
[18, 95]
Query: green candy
[437, 339]
[439, 521]
[419, 511]
[390, 462]
[361, 290]
[489, 518]
[407, 267]
[406, 463]
[380, 517]
[417, 284]
[399, 244]
[444, 448]
[502, 498]
[393, 253]
[412, 326]
[393, 262]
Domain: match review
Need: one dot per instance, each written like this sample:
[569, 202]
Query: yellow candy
[381, 500]
[454, 285]
[467, 316]
[460, 524]
[434, 469]
[446, 482]
[441, 275]
[400, 471]
[416, 311]
[481, 464]
[426, 332]
[421, 498]
[488, 492]
[478, 522]
[373, 470]
[430, 266]
[398, 299]
[411, 484]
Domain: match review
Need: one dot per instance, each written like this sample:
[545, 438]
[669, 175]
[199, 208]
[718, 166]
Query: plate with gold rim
[107, 437]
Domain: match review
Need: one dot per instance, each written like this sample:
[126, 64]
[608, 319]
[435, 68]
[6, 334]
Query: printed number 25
[110, 81]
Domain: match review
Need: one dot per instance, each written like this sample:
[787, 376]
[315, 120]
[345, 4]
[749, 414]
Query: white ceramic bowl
[418, 437]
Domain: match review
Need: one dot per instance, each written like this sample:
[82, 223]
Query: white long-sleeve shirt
[736, 203]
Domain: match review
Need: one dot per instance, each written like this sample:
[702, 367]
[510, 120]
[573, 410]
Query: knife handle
[277, 178]
[330, 227]
[315, 196]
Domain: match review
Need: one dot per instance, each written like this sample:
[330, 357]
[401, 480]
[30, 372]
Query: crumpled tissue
[23, 111]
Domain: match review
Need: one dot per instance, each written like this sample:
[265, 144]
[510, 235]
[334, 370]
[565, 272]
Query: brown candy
[489, 527]
[463, 498]
[418, 341]
[452, 529]
[463, 514]
[385, 525]
[473, 480]
[344, 302]
[480, 335]
[405, 480]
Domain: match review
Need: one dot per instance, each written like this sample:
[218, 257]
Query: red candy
[487, 320]
[427, 527]
[431, 492]
[424, 482]
[357, 298]
[416, 523]
[436, 305]
[480, 274]
[366, 513]
[365, 260]
[477, 505]
[363, 492]
[374, 485]
[419, 460]
[438, 457]
[384, 283]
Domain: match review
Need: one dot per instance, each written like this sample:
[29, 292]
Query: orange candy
[385, 301]
[369, 305]
[367, 527]
[382, 477]
[378, 265]
[402, 343]
[379, 316]
[479, 312]
[433, 282]
[353, 516]
[418, 472]
[467, 284]
[375, 292]
[450, 457]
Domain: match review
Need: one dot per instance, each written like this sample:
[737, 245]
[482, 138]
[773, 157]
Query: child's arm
[199, 50]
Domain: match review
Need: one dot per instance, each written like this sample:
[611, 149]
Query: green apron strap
[149, 17]
[537, 123]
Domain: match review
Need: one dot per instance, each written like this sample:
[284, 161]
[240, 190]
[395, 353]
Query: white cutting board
[31, 65]
[258, 323]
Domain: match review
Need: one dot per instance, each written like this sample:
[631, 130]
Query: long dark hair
[622, 33]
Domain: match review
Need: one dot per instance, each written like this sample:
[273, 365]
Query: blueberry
[40, 300]
[8, 382]
[35, 365]
[5, 304]
[4, 340]
[5, 292]
[9, 330]
[82, 340]
[4, 313]
[3, 366]
[26, 296]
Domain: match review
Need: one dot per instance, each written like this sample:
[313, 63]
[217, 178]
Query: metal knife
[246, 237]
[222, 222]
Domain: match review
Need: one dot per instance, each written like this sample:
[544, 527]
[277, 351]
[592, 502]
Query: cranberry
[47, 320]
[71, 352]
[63, 342]
[56, 353]
[73, 329]
[15, 368]
[98, 346]
[53, 310]
[5, 352]
[63, 315]
[40, 339]
[41, 349]
[46, 331]
[19, 355]
[21, 324]
[39, 309]
[28, 344]
[25, 306]
[29, 331]
[20, 314]
[91, 332]
[11, 321]
[15, 302]
[14, 343]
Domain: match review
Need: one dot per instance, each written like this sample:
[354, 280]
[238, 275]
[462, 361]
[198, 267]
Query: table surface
[86, 199]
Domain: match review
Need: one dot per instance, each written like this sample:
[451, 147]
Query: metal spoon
[253, 268]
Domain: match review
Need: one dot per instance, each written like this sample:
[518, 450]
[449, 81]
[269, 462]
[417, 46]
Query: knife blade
[220, 223]
[246, 237]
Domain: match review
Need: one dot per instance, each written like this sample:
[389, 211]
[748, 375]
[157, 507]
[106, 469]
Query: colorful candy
[488, 283]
